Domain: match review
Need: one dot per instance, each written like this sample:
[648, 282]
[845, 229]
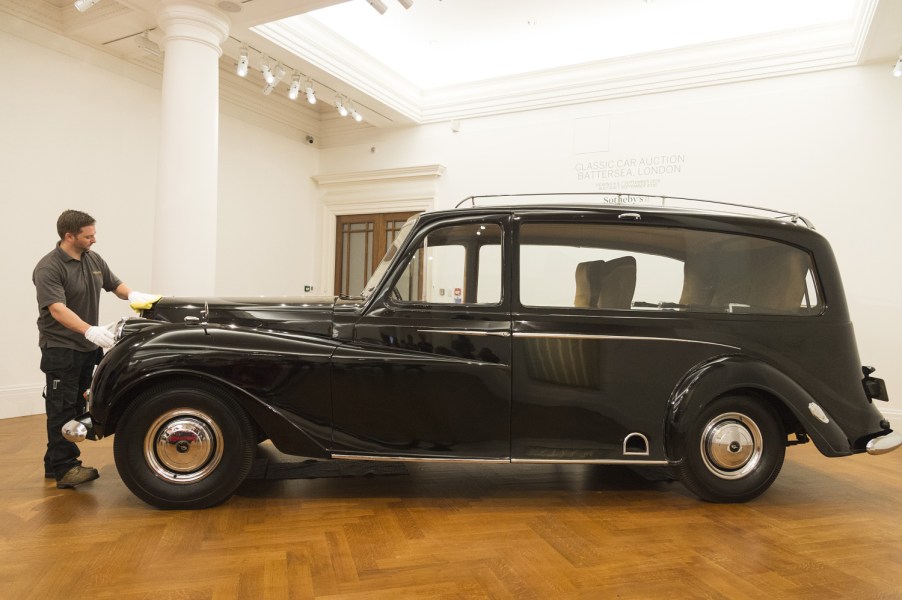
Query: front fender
[720, 376]
[281, 379]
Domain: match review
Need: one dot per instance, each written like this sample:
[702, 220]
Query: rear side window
[593, 266]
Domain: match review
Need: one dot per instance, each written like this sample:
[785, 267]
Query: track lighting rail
[273, 71]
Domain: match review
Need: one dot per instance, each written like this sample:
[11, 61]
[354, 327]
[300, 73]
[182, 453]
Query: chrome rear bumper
[884, 444]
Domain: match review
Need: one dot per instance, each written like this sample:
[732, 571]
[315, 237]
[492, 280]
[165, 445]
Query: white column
[184, 259]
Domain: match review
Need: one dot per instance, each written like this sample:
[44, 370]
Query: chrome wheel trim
[183, 446]
[731, 446]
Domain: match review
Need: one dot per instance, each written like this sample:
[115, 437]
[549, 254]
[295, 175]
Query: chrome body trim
[585, 336]
[473, 332]
[417, 458]
[642, 437]
[884, 444]
[656, 463]
[600, 461]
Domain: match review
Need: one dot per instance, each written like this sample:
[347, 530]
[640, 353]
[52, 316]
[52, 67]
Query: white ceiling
[452, 59]
[443, 43]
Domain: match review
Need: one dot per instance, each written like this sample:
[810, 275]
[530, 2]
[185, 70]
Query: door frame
[410, 189]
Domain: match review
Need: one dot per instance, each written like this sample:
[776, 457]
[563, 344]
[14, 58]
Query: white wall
[77, 135]
[67, 142]
[825, 144]
[269, 213]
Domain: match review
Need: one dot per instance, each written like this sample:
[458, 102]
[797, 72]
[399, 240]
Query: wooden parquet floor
[826, 529]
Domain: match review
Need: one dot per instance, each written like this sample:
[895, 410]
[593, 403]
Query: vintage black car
[615, 332]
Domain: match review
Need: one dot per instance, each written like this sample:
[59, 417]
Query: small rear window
[595, 266]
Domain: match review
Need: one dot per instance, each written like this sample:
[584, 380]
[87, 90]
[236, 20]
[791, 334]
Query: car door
[599, 337]
[427, 374]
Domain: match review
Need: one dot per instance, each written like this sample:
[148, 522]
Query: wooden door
[360, 243]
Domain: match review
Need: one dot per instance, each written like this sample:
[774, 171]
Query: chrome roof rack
[645, 200]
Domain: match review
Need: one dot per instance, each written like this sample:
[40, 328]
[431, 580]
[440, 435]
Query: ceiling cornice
[367, 177]
[329, 53]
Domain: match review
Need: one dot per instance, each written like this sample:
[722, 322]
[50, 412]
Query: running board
[605, 461]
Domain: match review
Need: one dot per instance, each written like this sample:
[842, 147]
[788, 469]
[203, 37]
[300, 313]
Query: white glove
[142, 301]
[101, 336]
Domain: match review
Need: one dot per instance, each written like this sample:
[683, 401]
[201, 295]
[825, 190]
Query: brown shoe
[77, 476]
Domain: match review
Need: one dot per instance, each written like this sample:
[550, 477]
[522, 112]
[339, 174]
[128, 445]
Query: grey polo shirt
[76, 283]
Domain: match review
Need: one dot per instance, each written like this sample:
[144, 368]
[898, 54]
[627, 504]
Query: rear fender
[713, 379]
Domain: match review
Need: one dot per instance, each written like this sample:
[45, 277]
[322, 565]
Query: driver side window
[460, 264]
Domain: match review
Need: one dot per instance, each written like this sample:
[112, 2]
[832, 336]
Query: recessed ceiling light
[229, 6]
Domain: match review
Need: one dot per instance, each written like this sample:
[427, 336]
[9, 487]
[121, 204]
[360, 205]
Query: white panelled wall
[79, 131]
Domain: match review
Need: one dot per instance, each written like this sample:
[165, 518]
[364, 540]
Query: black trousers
[68, 376]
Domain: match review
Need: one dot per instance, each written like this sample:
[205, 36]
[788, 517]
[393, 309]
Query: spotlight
[242, 62]
[308, 89]
[277, 74]
[378, 5]
[295, 87]
[342, 110]
[354, 114]
[406, 3]
[83, 5]
[897, 70]
[266, 70]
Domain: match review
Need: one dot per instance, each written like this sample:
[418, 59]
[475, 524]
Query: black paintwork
[324, 376]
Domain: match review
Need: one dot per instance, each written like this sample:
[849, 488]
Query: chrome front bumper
[884, 444]
[81, 428]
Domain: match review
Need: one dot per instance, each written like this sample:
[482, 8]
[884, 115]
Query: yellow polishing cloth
[138, 306]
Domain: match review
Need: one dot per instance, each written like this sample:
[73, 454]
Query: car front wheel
[734, 451]
[184, 447]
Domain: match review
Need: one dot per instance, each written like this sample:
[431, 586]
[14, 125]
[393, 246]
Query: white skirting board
[20, 401]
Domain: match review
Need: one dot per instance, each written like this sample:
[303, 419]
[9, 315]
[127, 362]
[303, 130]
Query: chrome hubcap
[183, 446]
[731, 446]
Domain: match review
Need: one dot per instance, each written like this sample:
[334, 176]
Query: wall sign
[629, 172]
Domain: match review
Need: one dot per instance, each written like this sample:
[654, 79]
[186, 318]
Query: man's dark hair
[71, 221]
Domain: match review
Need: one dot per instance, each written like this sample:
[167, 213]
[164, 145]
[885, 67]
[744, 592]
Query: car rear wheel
[734, 451]
[186, 446]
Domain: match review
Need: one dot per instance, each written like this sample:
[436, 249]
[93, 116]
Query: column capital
[193, 21]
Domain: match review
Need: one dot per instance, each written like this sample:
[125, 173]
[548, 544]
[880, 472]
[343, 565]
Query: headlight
[117, 329]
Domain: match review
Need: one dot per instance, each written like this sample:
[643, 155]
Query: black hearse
[611, 331]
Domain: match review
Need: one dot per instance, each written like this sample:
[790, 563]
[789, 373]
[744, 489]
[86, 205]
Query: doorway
[360, 243]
